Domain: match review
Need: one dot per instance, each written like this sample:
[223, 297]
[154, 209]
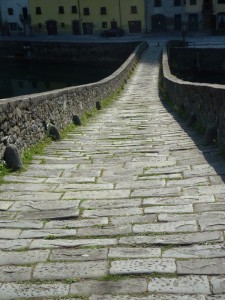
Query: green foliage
[28, 154]
[50, 237]
[3, 172]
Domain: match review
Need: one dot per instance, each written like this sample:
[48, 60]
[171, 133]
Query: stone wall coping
[167, 74]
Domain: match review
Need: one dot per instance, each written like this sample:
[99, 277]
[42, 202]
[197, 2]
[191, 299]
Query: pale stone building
[15, 17]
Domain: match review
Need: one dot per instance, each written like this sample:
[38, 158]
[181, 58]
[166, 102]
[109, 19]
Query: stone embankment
[128, 207]
[21, 117]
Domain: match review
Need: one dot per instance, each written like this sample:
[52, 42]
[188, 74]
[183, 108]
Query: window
[62, 24]
[39, 25]
[177, 2]
[221, 1]
[13, 26]
[10, 11]
[104, 24]
[192, 2]
[103, 10]
[133, 9]
[61, 9]
[86, 11]
[74, 9]
[38, 10]
[157, 3]
[177, 22]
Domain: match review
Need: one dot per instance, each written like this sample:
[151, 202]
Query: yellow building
[86, 16]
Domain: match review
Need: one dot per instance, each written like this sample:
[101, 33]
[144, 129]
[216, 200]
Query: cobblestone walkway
[128, 207]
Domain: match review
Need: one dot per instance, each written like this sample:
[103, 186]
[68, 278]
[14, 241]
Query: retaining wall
[205, 101]
[21, 117]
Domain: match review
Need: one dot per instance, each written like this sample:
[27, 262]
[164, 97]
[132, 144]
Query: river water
[19, 78]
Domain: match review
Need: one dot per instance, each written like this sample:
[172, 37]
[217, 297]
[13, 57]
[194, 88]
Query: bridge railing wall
[206, 102]
[21, 117]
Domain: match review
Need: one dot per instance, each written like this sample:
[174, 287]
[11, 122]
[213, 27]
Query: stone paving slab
[84, 269]
[131, 184]
[211, 266]
[10, 234]
[101, 194]
[202, 207]
[15, 273]
[166, 170]
[17, 244]
[78, 179]
[78, 254]
[48, 214]
[218, 285]
[24, 179]
[181, 226]
[46, 233]
[105, 230]
[149, 218]
[185, 208]
[215, 297]
[76, 186]
[169, 191]
[196, 251]
[23, 257]
[182, 285]
[139, 266]
[21, 224]
[114, 203]
[178, 200]
[112, 212]
[33, 187]
[126, 286]
[66, 243]
[5, 205]
[135, 252]
[29, 205]
[187, 217]
[25, 195]
[76, 223]
[179, 239]
[188, 182]
[37, 173]
[28, 291]
[150, 297]
[212, 224]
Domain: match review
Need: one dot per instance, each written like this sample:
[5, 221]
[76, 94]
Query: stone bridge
[127, 207]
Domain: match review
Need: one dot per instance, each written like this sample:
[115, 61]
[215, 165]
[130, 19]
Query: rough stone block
[212, 266]
[186, 226]
[26, 290]
[138, 266]
[15, 273]
[169, 209]
[78, 254]
[23, 257]
[180, 239]
[126, 286]
[135, 252]
[181, 285]
[86, 269]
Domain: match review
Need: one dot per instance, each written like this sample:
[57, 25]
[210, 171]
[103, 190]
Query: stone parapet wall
[205, 101]
[21, 117]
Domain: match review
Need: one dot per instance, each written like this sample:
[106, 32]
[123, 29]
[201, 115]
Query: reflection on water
[27, 78]
[212, 77]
